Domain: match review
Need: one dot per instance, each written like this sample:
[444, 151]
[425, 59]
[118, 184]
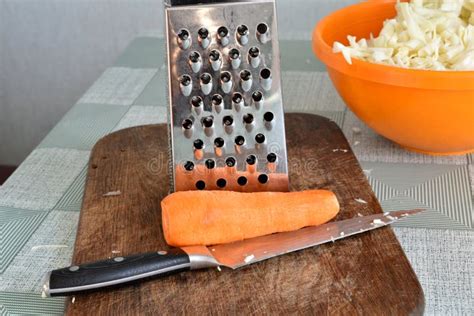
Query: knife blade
[123, 270]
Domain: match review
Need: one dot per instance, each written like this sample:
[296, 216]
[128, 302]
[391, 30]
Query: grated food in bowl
[425, 34]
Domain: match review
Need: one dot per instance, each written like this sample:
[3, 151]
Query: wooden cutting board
[366, 274]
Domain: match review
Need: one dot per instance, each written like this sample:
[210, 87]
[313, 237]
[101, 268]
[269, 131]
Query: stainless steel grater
[227, 128]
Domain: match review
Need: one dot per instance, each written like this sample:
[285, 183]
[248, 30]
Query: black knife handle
[115, 271]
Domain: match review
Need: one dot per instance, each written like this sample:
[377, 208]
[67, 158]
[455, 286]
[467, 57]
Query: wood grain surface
[366, 274]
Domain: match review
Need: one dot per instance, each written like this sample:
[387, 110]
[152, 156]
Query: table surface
[40, 203]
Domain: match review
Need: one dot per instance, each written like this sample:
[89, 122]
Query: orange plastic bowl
[425, 111]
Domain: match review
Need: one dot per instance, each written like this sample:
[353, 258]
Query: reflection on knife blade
[233, 255]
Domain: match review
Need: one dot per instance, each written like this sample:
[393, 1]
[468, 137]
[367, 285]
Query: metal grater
[227, 128]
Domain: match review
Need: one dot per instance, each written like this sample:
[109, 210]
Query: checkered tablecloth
[40, 203]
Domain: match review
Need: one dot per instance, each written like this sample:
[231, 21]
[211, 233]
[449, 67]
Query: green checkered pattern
[40, 203]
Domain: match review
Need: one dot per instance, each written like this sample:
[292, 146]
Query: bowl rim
[406, 77]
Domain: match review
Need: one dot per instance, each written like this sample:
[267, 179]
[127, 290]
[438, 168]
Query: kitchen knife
[122, 270]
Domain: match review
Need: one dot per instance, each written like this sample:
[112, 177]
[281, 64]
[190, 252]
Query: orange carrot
[216, 217]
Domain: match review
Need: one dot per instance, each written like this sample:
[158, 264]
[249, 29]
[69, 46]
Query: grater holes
[188, 166]
[254, 52]
[217, 100]
[210, 164]
[223, 35]
[246, 80]
[237, 101]
[221, 183]
[219, 142]
[254, 56]
[200, 185]
[183, 38]
[268, 117]
[198, 144]
[237, 97]
[242, 30]
[183, 34]
[230, 162]
[203, 33]
[215, 59]
[248, 118]
[185, 84]
[245, 75]
[214, 55]
[243, 34]
[257, 96]
[226, 81]
[242, 181]
[239, 140]
[195, 61]
[263, 32]
[187, 124]
[185, 80]
[194, 57]
[197, 101]
[204, 38]
[263, 178]
[251, 160]
[228, 120]
[262, 28]
[266, 78]
[234, 58]
[260, 138]
[197, 104]
[205, 78]
[206, 83]
[207, 121]
[226, 77]
[257, 99]
[271, 157]
[234, 53]
[265, 73]
[223, 31]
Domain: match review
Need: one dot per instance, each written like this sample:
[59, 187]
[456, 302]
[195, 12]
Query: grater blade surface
[227, 129]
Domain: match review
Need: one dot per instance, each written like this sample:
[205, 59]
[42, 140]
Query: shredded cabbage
[425, 34]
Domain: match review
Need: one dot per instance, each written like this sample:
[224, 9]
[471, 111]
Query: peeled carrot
[215, 217]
